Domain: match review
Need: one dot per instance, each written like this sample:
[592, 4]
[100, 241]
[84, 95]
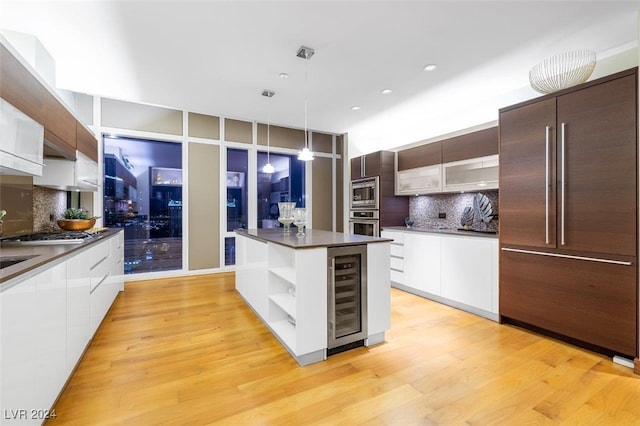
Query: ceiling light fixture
[430, 67]
[386, 91]
[355, 108]
[268, 168]
[284, 75]
[305, 53]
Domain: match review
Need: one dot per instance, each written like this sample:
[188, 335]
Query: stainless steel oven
[365, 193]
[364, 222]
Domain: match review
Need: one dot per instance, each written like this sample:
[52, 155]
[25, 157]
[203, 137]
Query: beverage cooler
[347, 297]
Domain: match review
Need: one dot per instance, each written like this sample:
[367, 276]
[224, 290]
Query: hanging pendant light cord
[306, 137]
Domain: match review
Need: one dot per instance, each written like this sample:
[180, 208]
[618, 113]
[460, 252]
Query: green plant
[74, 213]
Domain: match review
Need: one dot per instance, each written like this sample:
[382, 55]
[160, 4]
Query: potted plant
[76, 220]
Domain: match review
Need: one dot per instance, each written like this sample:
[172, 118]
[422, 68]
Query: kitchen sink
[7, 261]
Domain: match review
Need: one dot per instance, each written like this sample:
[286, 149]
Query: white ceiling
[216, 57]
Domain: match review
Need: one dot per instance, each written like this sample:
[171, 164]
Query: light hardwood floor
[187, 350]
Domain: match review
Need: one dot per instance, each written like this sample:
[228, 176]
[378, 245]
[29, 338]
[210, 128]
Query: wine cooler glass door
[347, 295]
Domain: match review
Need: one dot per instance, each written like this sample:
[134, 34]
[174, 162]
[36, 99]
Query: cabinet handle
[363, 167]
[563, 241]
[332, 298]
[567, 256]
[546, 185]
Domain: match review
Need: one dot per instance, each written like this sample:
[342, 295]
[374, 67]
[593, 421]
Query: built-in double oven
[364, 215]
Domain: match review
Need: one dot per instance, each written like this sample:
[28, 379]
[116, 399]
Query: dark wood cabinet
[370, 165]
[568, 167]
[592, 302]
[392, 210]
[420, 156]
[86, 142]
[568, 213]
[21, 88]
[527, 171]
[471, 145]
[600, 162]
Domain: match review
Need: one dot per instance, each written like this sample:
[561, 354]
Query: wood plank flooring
[187, 351]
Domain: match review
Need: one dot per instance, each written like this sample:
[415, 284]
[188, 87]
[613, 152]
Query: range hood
[21, 142]
[66, 175]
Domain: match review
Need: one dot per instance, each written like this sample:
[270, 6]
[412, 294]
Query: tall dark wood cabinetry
[568, 213]
[393, 210]
[370, 165]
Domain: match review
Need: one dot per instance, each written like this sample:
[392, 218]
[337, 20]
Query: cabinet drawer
[397, 237]
[590, 301]
[99, 252]
[397, 263]
[397, 250]
[397, 277]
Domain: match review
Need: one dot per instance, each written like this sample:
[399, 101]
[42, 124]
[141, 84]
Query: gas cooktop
[64, 237]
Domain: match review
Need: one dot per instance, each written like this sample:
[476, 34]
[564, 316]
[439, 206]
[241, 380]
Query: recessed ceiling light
[386, 91]
[355, 108]
[430, 67]
[284, 75]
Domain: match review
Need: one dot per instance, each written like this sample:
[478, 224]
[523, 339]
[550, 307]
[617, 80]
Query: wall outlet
[442, 215]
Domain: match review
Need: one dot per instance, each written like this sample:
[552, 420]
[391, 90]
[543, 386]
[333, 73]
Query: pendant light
[306, 154]
[268, 168]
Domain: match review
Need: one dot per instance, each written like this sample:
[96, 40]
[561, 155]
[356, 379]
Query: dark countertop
[448, 231]
[314, 238]
[42, 254]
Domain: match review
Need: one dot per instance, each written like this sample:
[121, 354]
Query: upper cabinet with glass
[473, 174]
[462, 163]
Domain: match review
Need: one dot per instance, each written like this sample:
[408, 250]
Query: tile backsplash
[425, 209]
[47, 202]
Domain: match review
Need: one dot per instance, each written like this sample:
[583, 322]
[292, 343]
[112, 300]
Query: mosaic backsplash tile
[424, 210]
[47, 202]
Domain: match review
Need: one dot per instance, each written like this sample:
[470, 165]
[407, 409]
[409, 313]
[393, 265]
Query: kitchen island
[285, 280]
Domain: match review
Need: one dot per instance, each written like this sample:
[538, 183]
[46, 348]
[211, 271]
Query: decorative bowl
[76, 224]
[563, 70]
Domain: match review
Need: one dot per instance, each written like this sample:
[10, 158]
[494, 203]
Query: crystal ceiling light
[268, 168]
[306, 154]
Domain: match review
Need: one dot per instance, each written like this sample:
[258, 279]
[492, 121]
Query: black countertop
[40, 255]
[314, 238]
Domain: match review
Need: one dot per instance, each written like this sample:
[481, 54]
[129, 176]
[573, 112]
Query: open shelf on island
[286, 302]
[286, 331]
[287, 273]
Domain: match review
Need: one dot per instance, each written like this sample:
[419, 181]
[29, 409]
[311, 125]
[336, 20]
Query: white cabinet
[33, 344]
[78, 308]
[468, 272]
[251, 273]
[116, 261]
[421, 180]
[422, 262]
[45, 320]
[471, 174]
[18, 346]
[104, 287]
[287, 287]
[457, 270]
[50, 335]
[297, 294]
[397, 255]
